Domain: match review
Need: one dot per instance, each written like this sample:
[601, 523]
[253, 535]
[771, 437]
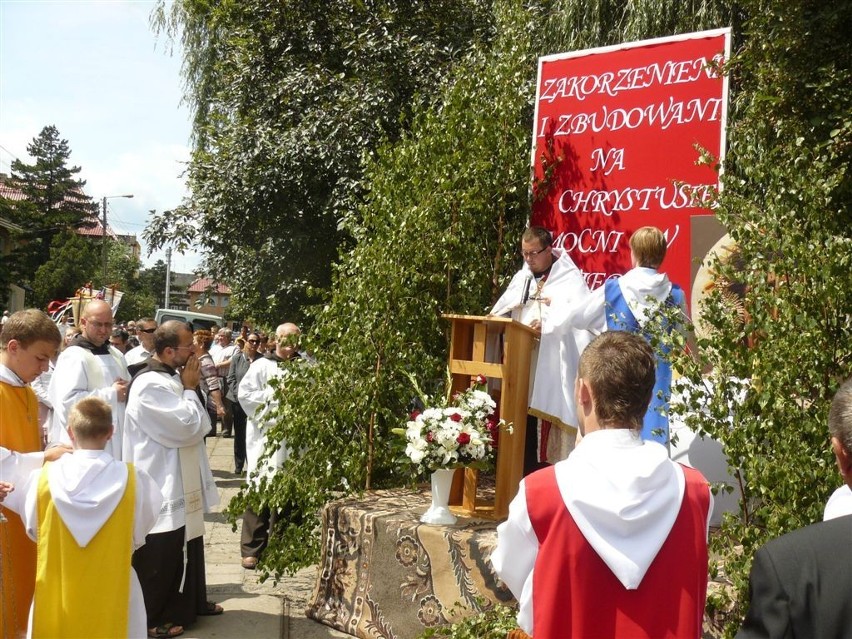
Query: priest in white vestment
[548, 280]
[90, 367]
[164, 435]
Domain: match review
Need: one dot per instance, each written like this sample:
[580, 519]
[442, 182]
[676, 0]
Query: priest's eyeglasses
[528, 254]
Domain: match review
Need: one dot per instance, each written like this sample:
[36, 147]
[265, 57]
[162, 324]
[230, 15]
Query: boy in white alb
[88, 512]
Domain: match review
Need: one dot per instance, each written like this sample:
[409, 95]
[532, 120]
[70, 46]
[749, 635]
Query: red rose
[481, 380]
[430, 437]
[414, 414]
[456, 417]
[463, 439]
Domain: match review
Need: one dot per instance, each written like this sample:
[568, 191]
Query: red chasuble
[576, 595]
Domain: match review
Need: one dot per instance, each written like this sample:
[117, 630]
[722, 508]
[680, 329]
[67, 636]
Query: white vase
[439, 513]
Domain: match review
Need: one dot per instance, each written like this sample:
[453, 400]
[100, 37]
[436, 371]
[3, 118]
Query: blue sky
[98, 72]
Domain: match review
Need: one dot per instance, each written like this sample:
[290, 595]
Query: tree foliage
[445, 205]
[287, 99]
[73, 262]
[54, 202]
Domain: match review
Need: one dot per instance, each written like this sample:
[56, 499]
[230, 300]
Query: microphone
[525, 296]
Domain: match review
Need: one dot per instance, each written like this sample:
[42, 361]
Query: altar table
[383, 574]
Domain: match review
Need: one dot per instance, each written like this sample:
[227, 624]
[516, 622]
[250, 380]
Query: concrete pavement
[252, 609]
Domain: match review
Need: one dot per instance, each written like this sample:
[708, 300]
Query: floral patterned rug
[384, 574]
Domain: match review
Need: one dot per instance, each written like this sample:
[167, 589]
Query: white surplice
[86, 487]
[79, 374]
[558, 353]
[162, 418]
[644, 290]
[624, 495]
[16, 467]
[254, 394]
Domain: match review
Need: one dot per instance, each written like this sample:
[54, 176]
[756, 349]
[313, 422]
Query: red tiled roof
[204, 283]
[10, 190]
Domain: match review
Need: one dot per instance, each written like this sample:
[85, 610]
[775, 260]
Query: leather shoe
[249, 563]
[227, 434]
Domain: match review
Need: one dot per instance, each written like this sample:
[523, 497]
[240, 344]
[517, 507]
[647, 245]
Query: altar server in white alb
[90, 367]
[630, 303]
[88, 512]
[611, 542]
[548, 280]
[256, 396]
[164, 435]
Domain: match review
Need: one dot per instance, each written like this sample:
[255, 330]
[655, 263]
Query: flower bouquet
[460, 432]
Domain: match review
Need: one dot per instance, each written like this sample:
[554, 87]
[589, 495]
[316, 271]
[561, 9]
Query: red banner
[618, 139]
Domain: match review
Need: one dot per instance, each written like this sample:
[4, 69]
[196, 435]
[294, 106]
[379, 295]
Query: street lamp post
[104, 222]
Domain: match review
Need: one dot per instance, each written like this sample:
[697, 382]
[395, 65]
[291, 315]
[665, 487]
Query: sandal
[166, 631]
[211, 609]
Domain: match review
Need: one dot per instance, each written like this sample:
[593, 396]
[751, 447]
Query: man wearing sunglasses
[145, 328]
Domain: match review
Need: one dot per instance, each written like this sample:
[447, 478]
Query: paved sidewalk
[252, 609]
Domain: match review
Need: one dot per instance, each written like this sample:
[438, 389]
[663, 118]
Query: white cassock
[86, 487]
[79, 374]
[164, 436]
[624, 495]
[558, 353]
[254, 394]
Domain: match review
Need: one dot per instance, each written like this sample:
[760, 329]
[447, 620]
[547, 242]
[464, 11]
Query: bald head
[96, 323]
[286, 338]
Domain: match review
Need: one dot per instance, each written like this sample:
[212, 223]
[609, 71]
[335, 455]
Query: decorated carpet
[384, 574]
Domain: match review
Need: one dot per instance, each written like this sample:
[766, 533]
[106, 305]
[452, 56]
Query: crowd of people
[105, 469]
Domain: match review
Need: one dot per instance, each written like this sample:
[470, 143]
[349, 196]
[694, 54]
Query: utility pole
[104, 224]
[168, 275]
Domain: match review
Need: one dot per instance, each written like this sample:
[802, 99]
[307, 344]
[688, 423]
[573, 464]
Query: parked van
[196, 320]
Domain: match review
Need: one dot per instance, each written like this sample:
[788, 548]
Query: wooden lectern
[469, 358]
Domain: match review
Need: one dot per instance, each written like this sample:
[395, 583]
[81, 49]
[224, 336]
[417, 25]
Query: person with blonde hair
[28, 340]
[633, 303]
[88, 512]
[210, 381]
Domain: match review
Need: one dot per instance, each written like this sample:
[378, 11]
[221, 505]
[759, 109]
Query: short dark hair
[120, 333]
[168, 335]
[29, 326]
[537, 234]
[620, 369]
